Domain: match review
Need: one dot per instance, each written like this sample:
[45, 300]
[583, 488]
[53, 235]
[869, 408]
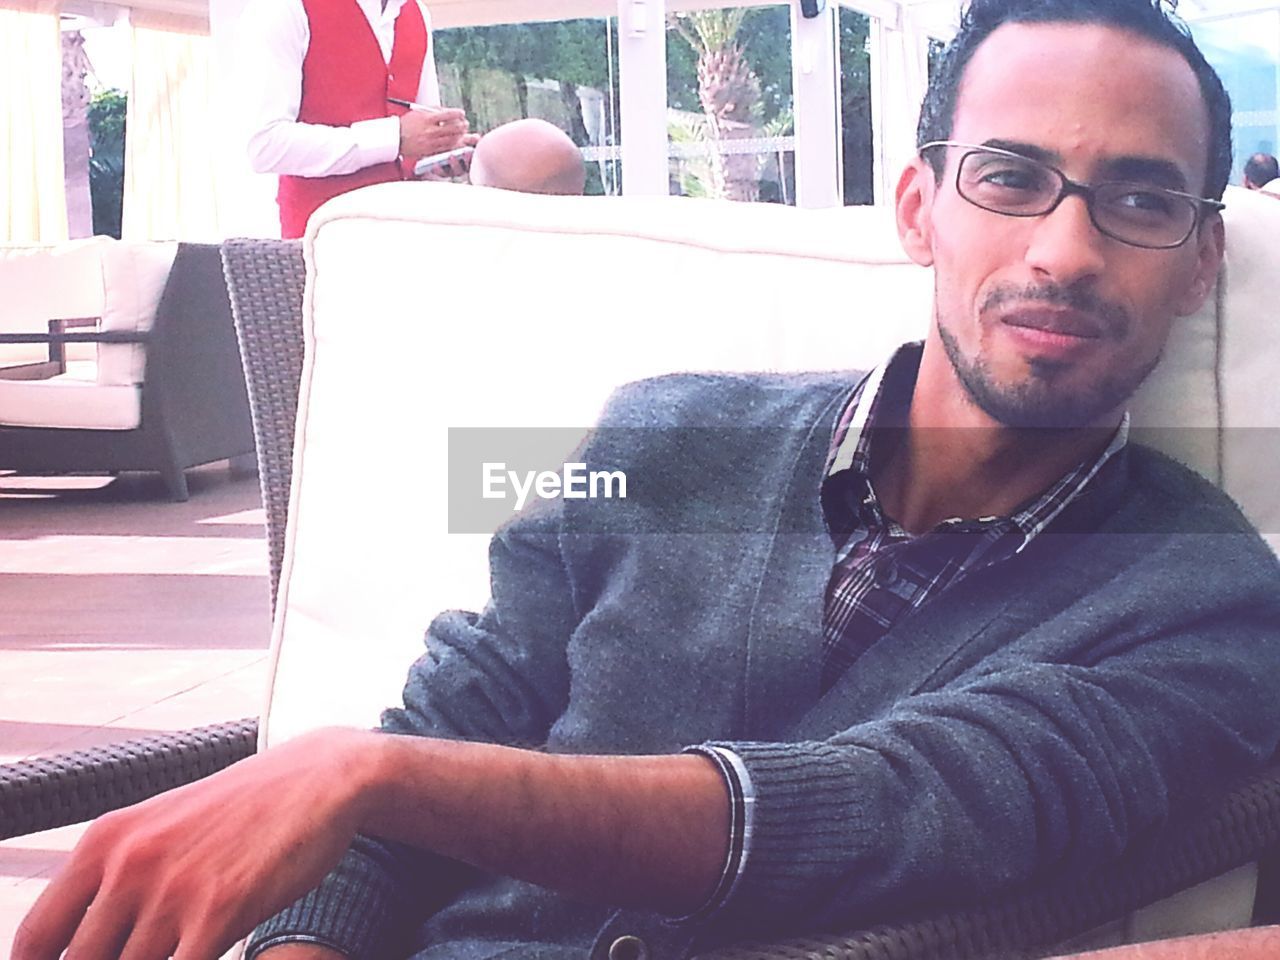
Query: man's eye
[1150, 202]
[1011, 178]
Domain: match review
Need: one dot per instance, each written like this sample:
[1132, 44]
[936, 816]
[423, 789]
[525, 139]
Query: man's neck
[954, 460]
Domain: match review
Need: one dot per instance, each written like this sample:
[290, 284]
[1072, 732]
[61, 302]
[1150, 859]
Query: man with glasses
[870, 646]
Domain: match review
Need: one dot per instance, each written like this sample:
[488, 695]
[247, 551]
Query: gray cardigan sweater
[1035, 719]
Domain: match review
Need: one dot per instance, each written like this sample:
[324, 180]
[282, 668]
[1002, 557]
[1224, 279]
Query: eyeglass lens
[1133, 213]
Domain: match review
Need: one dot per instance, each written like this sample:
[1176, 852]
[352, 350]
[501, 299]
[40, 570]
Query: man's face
[1045, 321]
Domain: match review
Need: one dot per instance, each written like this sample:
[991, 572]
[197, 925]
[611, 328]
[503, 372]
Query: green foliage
[763, 33]
[106, 160]
[488, 70]
[855, 106]
[567, 50]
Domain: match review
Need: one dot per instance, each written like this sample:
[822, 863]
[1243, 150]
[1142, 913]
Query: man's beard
[1040, 401]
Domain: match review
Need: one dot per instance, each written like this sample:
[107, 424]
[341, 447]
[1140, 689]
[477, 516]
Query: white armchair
[118, 356]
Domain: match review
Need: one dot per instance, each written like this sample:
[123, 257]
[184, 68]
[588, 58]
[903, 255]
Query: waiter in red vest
[318, 77]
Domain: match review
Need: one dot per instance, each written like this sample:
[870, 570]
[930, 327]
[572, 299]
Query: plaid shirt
[882, 571]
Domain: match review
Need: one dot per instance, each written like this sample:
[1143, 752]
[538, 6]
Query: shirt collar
[883, 398]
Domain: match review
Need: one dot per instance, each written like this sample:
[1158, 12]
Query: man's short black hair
[1149, 18]
[1261, 169]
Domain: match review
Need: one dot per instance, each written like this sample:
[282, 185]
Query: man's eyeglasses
[1139, 214]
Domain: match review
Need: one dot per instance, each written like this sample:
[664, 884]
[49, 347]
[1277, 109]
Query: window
[729, 105]
[564, 72]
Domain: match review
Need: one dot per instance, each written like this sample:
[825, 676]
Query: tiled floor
[120, 614]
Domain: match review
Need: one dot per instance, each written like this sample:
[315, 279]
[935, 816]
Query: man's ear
[1211, 240]
[914, 206]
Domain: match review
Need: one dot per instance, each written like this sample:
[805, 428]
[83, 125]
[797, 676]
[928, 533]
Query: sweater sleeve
[481, 678]
[1020, 768]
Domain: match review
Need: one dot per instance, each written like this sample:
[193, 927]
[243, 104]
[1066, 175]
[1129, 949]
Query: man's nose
[1065, 245]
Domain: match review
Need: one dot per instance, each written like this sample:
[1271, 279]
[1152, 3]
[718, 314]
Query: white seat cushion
[74, 400]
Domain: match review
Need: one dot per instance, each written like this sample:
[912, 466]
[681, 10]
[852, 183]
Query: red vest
[344, 80]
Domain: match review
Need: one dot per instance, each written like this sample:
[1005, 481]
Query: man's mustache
[1114, 319]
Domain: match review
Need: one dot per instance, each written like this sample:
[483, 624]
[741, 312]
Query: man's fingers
[103, 930]
[448, 115]
[149, 941]
[50, 924]
[423, 134]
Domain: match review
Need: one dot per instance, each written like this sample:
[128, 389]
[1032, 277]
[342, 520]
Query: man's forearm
[637, 831]
[188, 872]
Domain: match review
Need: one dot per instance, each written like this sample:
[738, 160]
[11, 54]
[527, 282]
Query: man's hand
[434, 130]
[458, 166]
[188, 872]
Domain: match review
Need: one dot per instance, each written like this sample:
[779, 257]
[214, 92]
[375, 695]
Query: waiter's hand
[436, 130]
[187, 873]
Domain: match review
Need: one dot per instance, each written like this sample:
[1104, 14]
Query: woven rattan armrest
[53, 791]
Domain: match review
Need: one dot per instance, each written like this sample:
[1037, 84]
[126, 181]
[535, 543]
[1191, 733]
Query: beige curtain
[170, 175]
[33, 201]
[903, 74]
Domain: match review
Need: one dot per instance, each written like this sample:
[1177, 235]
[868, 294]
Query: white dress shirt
[274, 38]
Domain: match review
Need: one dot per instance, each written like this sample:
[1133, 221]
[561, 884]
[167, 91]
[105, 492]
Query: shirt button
[886, 574]
[628, 948]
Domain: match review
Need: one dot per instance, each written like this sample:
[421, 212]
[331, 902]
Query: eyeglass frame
[1086, 191]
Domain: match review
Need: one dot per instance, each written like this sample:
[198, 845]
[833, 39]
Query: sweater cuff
[351, 912]
[813, 827]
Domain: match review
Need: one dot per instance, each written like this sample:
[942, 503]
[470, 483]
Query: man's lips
[1055, 320]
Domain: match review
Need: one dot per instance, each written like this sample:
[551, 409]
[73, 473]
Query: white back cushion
[431, 306]
[1248, 369]
[134, 273]
[434, 306]
[1214, 401]
[43, 282]
[118, 282]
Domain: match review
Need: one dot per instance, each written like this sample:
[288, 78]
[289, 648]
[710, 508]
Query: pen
[409, 103]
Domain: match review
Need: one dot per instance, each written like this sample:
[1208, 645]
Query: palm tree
[729, 92]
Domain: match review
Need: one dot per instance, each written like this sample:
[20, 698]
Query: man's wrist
[362, 764]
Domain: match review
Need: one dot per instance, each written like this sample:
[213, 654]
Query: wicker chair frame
[266, 280]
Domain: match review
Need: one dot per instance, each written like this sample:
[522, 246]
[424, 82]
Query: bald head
[528, 155]
[1260, 170]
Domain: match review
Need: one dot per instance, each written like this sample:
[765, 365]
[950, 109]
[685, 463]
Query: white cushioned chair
[138, 367]
[430, 307]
